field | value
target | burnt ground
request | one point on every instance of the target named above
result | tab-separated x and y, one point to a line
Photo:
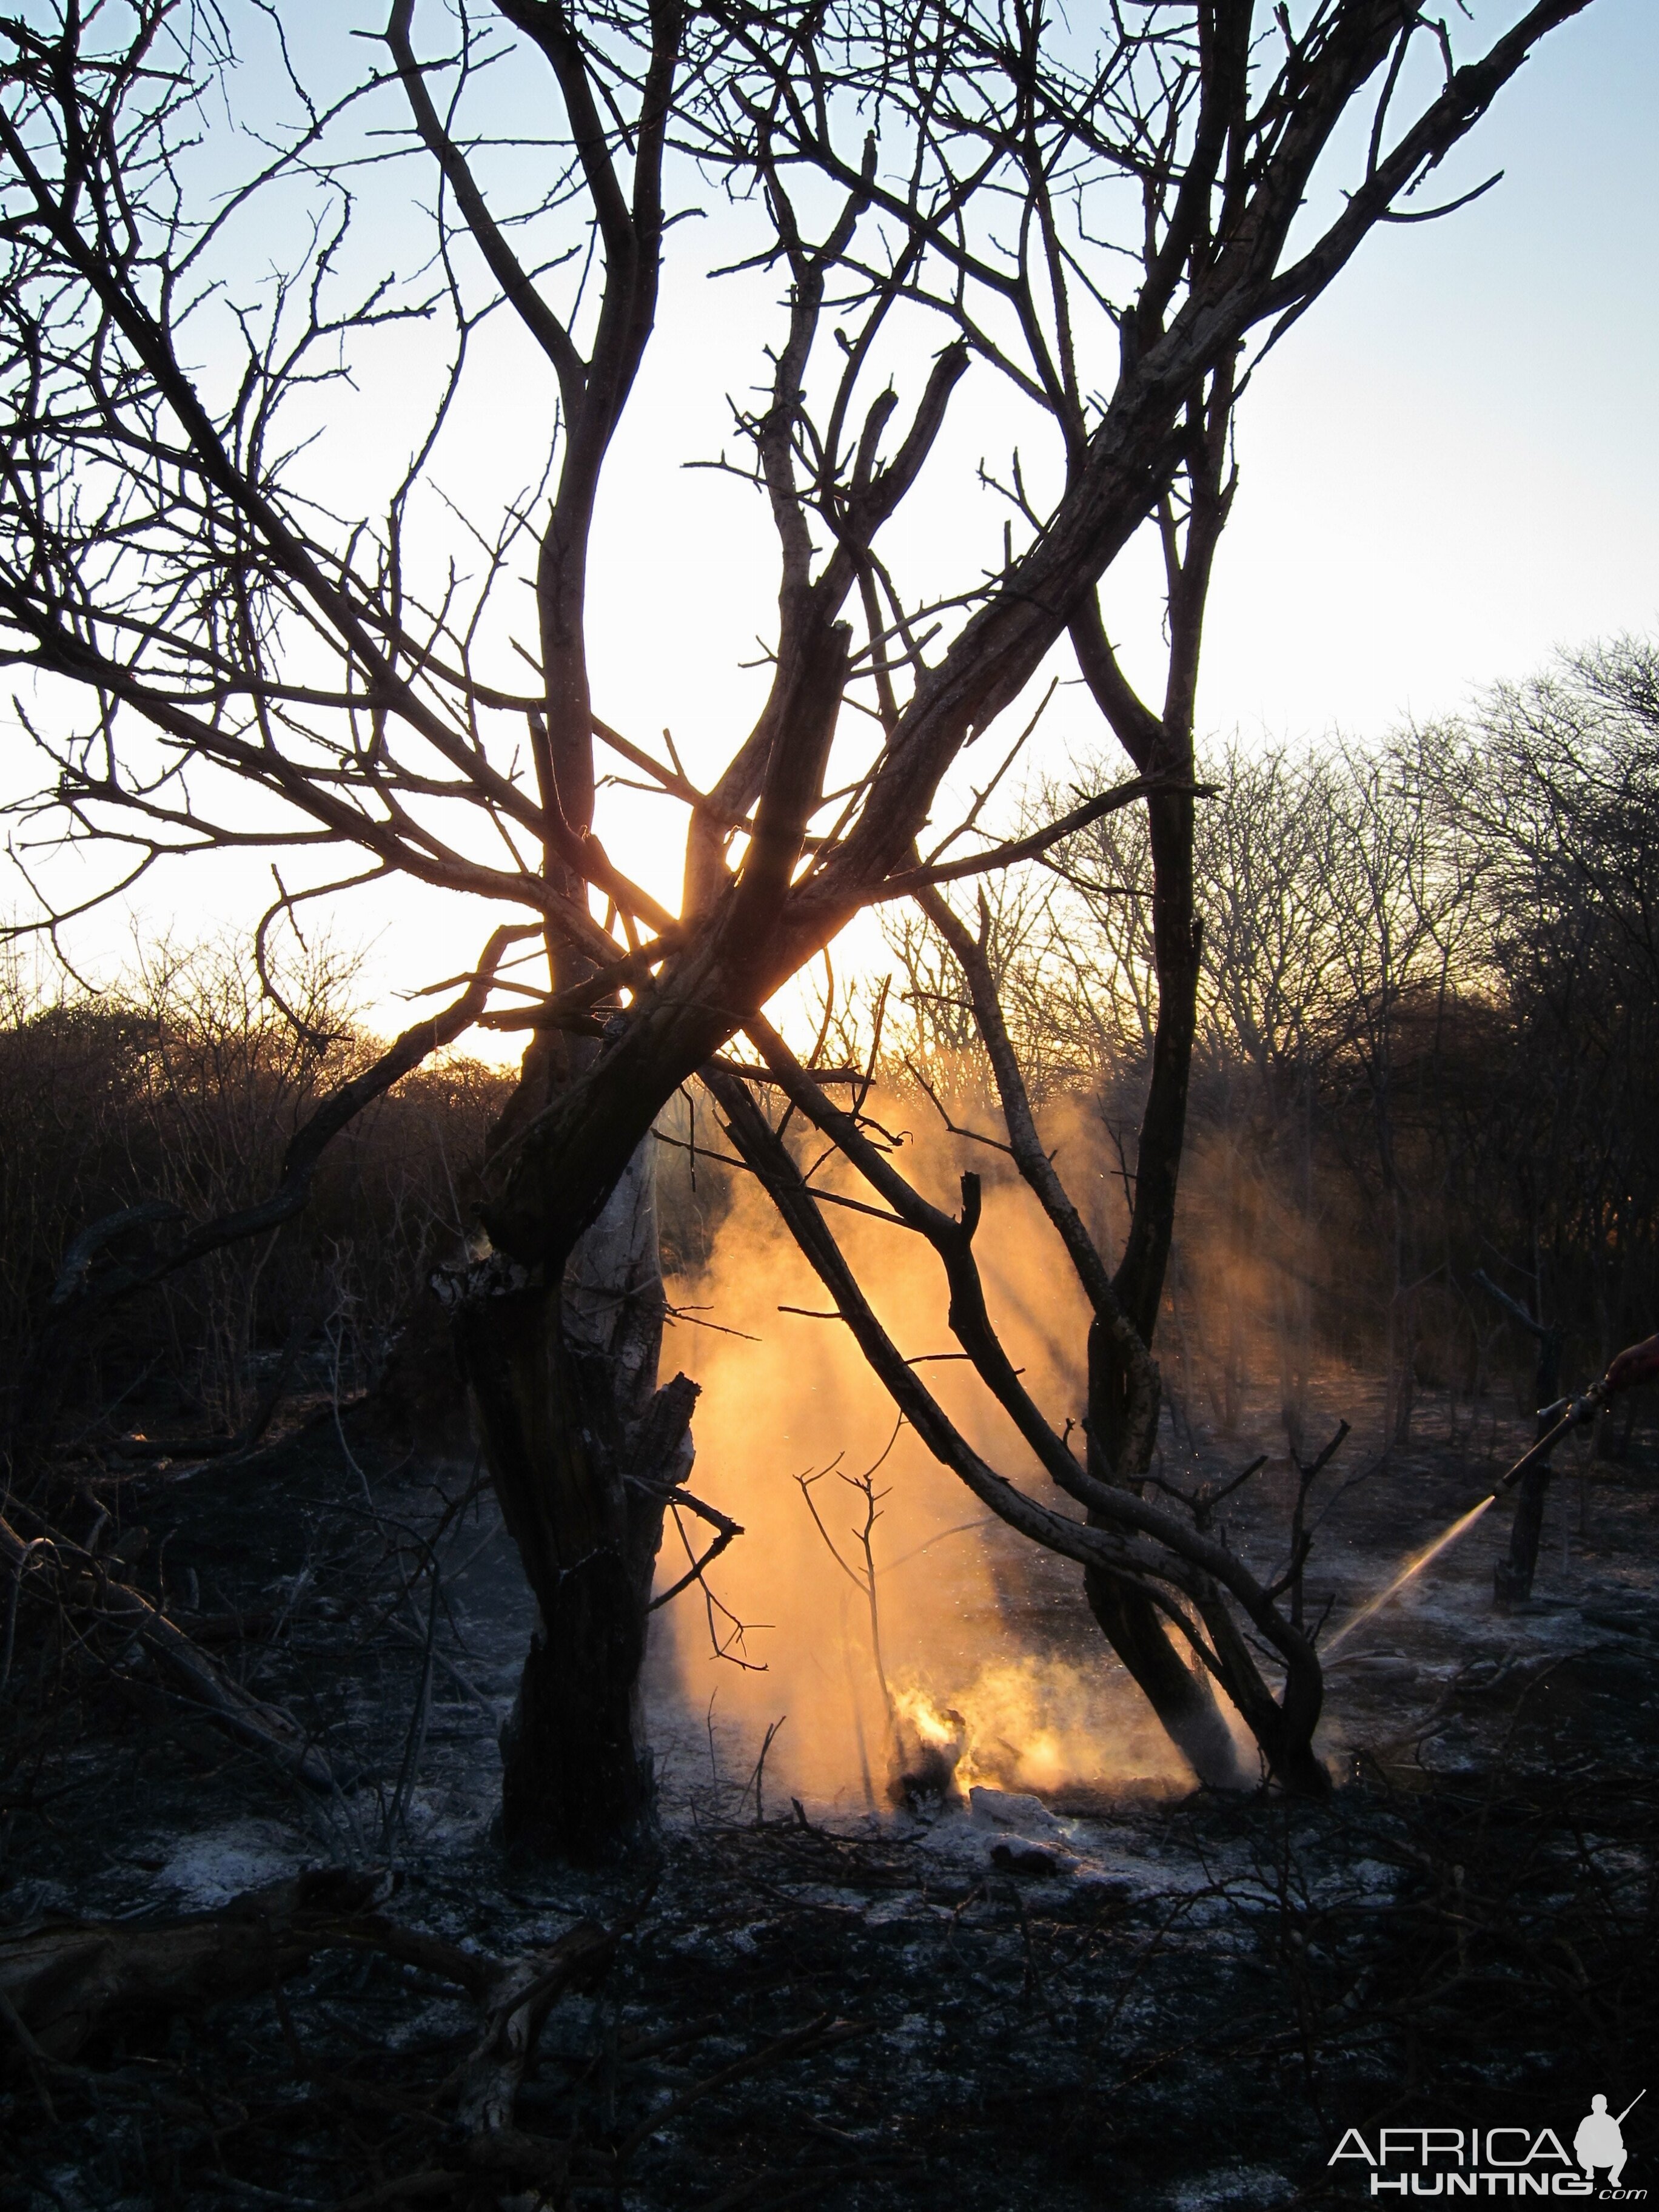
1177	2002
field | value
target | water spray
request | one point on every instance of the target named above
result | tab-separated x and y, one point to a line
1639	1363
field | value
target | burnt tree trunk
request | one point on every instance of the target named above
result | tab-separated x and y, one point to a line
1161	746
559	1327
1132	1624
585	1450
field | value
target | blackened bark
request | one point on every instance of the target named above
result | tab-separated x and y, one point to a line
560	1329
1131	1622
584	1451
1182	1698
575	1783
583	1498
1512	1576
1176	948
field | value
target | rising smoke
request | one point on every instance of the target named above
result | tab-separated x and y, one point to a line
986	1645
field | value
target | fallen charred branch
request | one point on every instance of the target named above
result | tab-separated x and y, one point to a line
63	1985
252	1430
106	1618
66	1983
75	1998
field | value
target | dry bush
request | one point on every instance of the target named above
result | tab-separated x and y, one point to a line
184	1083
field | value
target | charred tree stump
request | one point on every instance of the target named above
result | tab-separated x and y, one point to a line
1512	1575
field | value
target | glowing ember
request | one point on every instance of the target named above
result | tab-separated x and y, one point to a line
934	1724
1025	1724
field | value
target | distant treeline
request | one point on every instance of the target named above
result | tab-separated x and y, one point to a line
184	1084
1428	1037
1428	1040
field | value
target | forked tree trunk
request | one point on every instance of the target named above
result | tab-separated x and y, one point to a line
585	1450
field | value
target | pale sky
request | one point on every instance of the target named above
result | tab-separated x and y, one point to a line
1454	468
1449	468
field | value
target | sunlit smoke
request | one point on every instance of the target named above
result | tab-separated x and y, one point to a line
1412	1568
981	1666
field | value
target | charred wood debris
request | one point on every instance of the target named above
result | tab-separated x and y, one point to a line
381	2010
790	2016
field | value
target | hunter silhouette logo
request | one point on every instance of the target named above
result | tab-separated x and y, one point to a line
1508	2161
1600	2141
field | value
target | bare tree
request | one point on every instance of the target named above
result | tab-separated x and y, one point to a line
1555	781
221	659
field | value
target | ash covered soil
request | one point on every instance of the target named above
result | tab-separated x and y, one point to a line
1131	1999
